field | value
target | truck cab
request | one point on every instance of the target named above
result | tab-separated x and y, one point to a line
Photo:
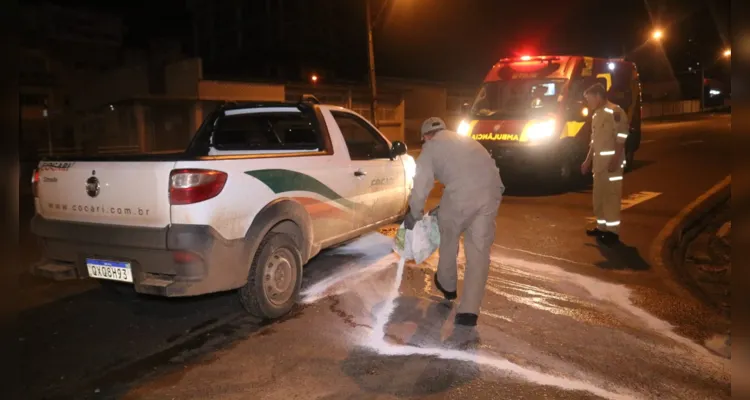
531	116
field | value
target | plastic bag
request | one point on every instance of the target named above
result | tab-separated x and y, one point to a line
419	243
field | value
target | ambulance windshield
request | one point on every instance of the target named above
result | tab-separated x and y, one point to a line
517	98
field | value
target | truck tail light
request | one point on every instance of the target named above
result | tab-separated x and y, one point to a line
189	186
184	257
35	183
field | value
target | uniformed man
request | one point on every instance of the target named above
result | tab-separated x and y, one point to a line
609	130
473	190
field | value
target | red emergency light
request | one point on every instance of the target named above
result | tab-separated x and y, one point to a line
527	58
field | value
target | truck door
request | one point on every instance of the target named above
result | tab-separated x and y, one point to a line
380	180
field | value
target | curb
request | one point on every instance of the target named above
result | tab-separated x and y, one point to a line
671	241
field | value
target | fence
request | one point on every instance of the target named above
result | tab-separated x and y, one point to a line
154	125
162	125
389	112
654	110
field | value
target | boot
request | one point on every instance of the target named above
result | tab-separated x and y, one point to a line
448	295
466	319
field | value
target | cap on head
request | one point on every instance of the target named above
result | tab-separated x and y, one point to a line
431	125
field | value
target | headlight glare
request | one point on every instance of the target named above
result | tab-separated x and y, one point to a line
540	130
463	128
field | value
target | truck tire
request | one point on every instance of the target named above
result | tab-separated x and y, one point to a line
275	278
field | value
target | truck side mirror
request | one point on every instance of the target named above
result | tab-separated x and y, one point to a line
397	149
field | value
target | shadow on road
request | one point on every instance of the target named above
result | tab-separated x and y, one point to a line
65	342
638	164
412	375
534	187
621	257
110	338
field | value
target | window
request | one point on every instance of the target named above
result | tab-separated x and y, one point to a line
363	142
33	99
517	98
265	131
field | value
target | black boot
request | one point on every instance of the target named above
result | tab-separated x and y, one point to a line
466	319
594	232
609	238
448	295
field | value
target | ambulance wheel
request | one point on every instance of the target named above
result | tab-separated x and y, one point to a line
565	174
275	278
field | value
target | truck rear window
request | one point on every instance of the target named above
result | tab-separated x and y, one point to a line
290	130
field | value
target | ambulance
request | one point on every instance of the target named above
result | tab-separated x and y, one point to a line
530	113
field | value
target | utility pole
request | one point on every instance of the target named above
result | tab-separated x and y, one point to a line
373	87
703	88
48	116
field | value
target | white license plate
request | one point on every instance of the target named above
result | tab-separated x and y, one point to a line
112	270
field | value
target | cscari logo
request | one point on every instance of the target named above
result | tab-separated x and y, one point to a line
495	136
382	181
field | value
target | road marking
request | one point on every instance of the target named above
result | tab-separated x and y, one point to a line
648	141
632	200
691	142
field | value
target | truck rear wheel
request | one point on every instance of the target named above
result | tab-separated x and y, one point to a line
275	278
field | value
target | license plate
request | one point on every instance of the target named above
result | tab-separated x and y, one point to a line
112	270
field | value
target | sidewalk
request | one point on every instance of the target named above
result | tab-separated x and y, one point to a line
708	261
707	266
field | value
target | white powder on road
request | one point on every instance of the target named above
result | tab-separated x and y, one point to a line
384	314
376	341
344	281
380	257
619	295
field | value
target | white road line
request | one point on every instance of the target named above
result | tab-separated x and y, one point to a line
691	142
648	141
632	200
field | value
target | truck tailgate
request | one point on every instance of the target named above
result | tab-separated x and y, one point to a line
112	192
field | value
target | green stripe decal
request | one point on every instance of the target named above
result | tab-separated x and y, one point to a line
285	180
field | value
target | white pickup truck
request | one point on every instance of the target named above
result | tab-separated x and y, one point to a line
261	189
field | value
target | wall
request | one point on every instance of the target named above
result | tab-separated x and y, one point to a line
661	91
654	110
422	102
110	87
394	128
182	77
238	91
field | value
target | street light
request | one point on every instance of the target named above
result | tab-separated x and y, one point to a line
314	78
658	34
371	57
727	53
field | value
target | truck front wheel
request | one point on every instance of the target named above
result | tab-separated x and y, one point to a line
275	278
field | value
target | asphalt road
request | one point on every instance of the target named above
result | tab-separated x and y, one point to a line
562	317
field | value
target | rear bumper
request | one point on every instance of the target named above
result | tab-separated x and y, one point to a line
177	260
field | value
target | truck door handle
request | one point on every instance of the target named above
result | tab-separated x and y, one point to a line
359	172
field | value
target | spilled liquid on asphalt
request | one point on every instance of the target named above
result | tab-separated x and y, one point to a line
545	288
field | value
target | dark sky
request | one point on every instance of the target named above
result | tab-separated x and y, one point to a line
460	39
